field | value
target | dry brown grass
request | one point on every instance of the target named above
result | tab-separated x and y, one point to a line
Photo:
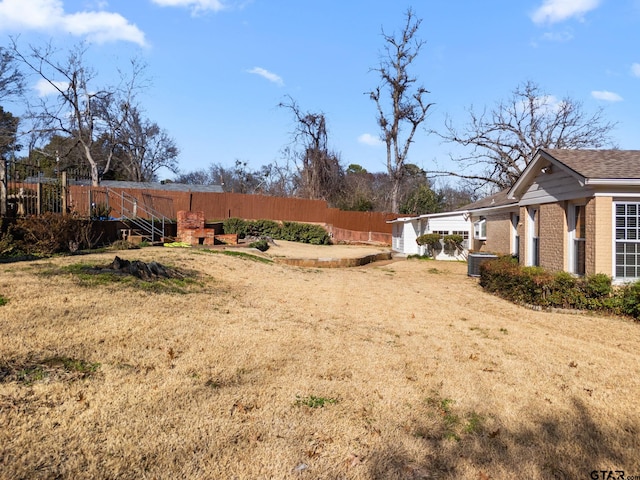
420	373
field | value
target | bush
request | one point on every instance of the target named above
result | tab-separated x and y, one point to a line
629	300
264	228
305	233
235	225
453	244
8	245
100	211
261	245
51	233
432	242
292	231
535	286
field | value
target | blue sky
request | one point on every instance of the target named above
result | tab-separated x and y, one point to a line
219	68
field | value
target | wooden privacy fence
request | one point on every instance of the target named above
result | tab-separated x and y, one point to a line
343	225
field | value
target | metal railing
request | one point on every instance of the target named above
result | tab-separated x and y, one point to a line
142	217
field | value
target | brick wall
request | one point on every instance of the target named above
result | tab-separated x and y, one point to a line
553	236
599	241
498	234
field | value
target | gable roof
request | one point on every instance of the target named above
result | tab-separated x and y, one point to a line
599	164
496	200
589	167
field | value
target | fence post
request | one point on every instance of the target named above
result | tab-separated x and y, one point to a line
3	188
64	192
40	197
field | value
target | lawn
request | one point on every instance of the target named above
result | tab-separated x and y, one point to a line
251	370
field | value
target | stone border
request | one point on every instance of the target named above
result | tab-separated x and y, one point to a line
334	262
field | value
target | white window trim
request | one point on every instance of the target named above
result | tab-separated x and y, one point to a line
624	199
571	226
478	226
530	232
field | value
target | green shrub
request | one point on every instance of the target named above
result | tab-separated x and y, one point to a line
629	300
305	233
235	225
431	241
598	285
261	245
292	231
533	285
264	228
453	243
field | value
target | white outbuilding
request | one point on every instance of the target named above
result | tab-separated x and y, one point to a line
407	229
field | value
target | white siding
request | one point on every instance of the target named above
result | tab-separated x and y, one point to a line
449	223
407	231
554	187
411	232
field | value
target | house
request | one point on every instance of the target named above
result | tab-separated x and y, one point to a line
571	210
407	229
495	219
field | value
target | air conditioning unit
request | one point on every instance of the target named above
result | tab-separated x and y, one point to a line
474	261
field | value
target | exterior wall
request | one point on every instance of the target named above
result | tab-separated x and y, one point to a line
599	241
553	236
558	185
522	233
397	242
411	231
498	234
453	223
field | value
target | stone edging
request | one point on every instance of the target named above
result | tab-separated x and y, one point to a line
334	262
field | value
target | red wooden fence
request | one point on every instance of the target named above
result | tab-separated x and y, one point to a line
344	225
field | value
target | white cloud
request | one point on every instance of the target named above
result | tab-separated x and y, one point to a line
635	69
559	37
606	96
553	11
195	5
272	77
49	16
371	140
45	88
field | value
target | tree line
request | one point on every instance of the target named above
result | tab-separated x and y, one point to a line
103	128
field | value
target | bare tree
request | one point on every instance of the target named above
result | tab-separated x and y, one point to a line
143	147
504	140
407	107
11	78
320	171
77	108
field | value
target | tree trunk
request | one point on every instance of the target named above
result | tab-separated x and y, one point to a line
395	193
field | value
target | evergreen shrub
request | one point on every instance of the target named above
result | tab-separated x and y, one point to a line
503	276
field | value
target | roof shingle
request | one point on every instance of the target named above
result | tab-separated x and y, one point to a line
605	164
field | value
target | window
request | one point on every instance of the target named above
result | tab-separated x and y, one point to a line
533	258
442	233
515	238
579	234
627	240
480	229
465	237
